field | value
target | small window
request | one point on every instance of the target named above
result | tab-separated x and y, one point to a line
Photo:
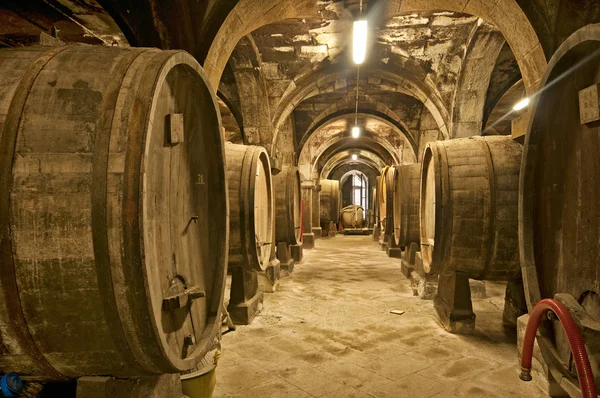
359	189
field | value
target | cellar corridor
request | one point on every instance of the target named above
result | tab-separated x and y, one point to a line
299	198
328	332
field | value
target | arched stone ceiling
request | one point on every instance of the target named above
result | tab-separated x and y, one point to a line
340	126
343	158
330	148
396	109
249	15
378	79
411	75
393	146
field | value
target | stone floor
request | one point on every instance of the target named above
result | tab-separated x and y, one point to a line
328	332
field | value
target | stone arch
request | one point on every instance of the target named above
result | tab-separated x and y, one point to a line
403	80
245	17
483	47
376	110
507	15
365	157
245	63
329	148
318	143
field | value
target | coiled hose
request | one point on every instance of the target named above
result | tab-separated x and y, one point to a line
582	362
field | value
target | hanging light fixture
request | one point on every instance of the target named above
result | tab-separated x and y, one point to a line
359	40
358	54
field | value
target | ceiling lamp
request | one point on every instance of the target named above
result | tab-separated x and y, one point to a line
354	156
355	131
359	39
521	104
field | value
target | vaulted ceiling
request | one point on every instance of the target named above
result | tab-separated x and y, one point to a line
406	89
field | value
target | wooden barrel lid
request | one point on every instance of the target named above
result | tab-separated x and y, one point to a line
263	210
559	201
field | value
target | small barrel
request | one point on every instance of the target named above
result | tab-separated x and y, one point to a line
352	216
251	208
113	212
468	207
406	204
288	213
330	201
386	200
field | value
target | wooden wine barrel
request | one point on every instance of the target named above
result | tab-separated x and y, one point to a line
406	204
251	208
330	201
288	217
381	202
386	204
113	212
376	209
560	186
468	207
352	216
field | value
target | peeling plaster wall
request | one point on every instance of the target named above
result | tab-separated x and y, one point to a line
294	47
434	42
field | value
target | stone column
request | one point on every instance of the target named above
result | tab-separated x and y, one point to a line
316	211
308	238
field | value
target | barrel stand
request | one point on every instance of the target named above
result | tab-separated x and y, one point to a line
376	232
297	252
452	303
384	242
332	231
269	278
393	250
515	304
477	288
163	386
246	298
411	265
285	257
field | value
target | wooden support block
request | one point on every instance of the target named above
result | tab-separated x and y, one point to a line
175	126
163	386
269	278
296	251
452	304
589	104
519	127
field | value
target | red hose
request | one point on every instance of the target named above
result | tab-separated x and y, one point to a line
582	363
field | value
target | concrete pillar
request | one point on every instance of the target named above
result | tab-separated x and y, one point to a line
316	212
308	238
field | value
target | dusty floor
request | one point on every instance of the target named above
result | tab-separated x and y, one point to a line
328	332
